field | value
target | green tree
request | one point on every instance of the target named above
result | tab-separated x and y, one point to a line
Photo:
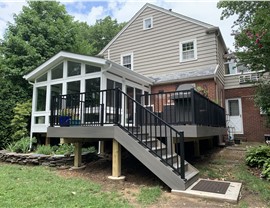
40	31
103	32
10	94
20	121
252	40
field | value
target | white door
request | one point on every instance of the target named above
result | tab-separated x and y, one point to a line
234	115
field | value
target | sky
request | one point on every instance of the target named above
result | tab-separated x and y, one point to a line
123	10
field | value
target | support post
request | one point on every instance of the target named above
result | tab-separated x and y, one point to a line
78	154
116	162
196	148
47	141
101	147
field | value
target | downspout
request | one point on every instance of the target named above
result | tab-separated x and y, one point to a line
31	136
106	69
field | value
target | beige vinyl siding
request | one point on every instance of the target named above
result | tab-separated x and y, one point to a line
156	50
232	81
220	59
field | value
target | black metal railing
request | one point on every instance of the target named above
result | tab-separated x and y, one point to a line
117	108
185	107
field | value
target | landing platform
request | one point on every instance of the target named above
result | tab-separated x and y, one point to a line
216	190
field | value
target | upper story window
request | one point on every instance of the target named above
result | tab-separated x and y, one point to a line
188	50
127	60
232	68
148	23
57	72
74	68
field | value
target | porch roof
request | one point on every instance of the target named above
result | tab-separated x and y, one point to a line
192	75
107	65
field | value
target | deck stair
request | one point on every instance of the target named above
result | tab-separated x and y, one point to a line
153	141
151	152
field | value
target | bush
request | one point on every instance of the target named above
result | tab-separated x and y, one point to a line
65	149
44	149
256	156
266	169
20	146
89	149
259	157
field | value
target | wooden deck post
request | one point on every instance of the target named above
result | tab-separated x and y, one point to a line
78	154
116	162
47	141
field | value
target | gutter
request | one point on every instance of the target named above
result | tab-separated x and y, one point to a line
185	79
31	136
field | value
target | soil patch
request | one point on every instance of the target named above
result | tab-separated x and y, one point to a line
138	176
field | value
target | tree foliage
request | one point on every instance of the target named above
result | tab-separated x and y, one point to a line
252	31
103	32
20	121
252	41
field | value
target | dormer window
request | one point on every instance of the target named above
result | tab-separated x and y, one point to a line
148	23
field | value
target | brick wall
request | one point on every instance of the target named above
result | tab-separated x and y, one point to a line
208	84
253	121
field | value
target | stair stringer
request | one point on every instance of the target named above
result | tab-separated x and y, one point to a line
153	163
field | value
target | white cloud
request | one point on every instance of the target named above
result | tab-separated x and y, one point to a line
7	9
94	14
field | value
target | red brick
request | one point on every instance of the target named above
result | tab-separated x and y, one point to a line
253	122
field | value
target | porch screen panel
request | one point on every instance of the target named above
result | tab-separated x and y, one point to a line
233	108
111	84
41	98
56	90
73	94
92	99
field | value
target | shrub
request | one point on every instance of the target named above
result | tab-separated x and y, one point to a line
65	149
20	146
89	149
259	157
256	156
20	121
266	169
44	149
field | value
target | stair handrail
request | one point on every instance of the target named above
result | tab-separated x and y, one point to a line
179	134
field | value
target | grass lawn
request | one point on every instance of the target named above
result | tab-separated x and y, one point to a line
23	186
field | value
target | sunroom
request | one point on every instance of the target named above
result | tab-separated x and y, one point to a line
78	75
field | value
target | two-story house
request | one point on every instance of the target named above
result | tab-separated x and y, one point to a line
176	50
144	93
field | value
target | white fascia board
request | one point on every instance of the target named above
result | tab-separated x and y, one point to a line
159	9
57	59
121	70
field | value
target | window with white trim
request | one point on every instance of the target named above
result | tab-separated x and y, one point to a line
127	61
188	50
148	23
